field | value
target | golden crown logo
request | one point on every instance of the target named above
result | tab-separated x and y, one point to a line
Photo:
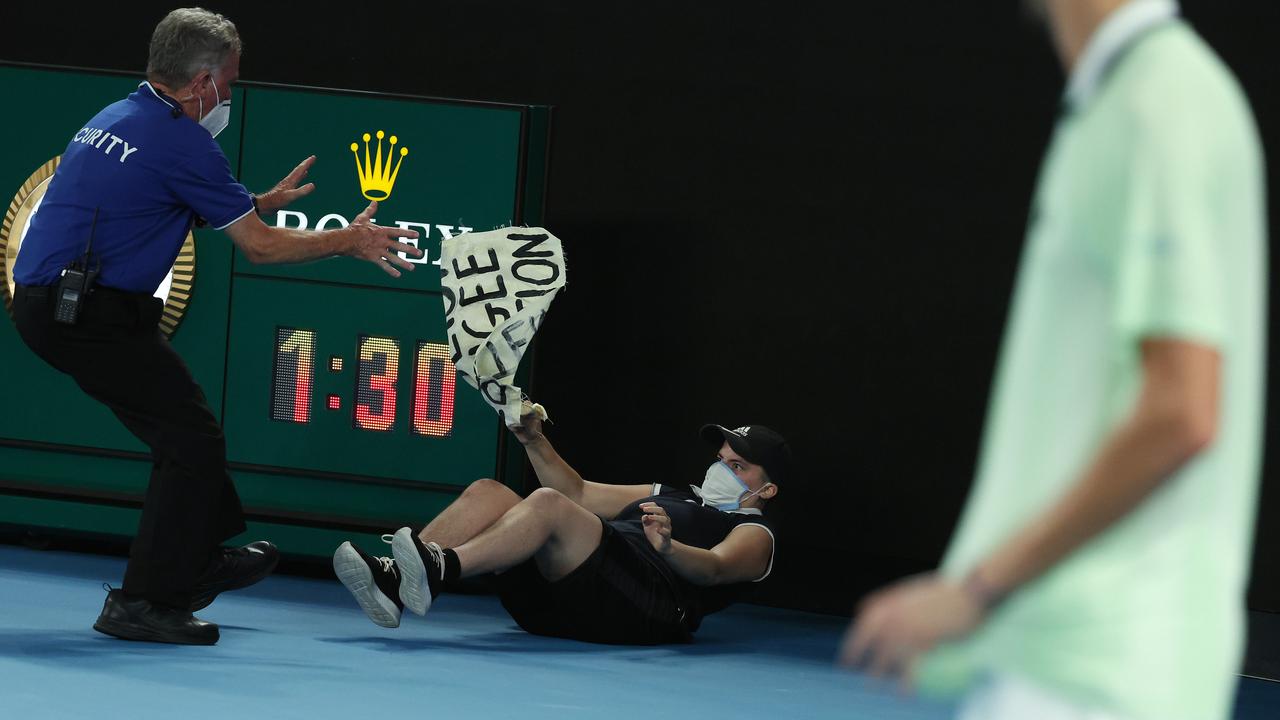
376	180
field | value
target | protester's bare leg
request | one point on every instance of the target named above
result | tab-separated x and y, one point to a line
478	507
557	532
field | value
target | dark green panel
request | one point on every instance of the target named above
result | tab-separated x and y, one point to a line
125	479
68	516
61	469
328	441
348	501
460	171
74	518
307	485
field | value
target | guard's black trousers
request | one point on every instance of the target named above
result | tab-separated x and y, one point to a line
117	354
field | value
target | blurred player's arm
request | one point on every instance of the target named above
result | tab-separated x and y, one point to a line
1174	419
553	472
743	556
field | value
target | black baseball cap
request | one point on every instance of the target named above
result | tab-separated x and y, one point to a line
756	444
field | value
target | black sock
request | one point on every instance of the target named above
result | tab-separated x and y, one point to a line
452	568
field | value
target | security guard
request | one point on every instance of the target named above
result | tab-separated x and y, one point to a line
131	184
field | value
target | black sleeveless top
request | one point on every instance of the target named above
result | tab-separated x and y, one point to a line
696	525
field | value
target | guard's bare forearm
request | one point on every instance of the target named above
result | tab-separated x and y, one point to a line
286	245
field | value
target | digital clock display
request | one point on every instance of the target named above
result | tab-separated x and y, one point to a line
377	370
355	380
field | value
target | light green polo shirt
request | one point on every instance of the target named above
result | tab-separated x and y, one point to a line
1149	222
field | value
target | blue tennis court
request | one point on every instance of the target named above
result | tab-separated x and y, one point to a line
295	647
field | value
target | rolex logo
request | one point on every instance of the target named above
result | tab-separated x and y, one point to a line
377	178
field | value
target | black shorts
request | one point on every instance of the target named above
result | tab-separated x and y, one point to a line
618	595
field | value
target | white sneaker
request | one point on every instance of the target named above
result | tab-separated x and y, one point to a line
421	569
372	581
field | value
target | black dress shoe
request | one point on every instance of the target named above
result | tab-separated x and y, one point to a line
234	569
135	618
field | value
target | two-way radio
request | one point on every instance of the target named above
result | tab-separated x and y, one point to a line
76	282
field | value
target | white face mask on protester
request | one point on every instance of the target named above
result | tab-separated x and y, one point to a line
219	117
723	489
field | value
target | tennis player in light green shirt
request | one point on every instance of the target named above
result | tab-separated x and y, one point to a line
1100	565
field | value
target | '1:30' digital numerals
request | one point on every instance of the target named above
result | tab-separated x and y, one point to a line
377	373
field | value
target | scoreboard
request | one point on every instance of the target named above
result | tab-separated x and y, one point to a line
332	380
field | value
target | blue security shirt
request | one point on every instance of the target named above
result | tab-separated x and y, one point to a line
149	174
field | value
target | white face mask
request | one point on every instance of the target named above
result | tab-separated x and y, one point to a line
219	117
723	489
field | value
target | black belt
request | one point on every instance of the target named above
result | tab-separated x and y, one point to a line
33	291
46	291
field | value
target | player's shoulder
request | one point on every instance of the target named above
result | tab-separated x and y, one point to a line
1175	78
1173	96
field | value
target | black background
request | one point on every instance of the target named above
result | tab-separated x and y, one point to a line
801	215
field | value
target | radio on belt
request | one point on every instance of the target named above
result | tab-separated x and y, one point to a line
76	282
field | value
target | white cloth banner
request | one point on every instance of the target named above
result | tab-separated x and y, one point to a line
497	287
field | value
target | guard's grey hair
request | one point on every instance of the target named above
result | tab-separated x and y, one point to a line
187	41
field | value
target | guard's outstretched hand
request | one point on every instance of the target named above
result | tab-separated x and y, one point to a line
379	245
287	190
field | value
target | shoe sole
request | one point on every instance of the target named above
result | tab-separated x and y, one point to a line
414	592
202	601
126	632
358	579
